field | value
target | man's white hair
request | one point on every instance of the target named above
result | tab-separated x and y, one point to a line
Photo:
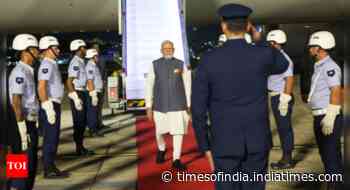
167	42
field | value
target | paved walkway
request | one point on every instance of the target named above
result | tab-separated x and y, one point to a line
115	165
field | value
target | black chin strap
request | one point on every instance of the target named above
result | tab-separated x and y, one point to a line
53	51
34	58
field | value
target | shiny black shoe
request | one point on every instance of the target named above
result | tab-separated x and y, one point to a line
281	165
84	152
54	173
99	133
96	133
178	165
160	157
103	127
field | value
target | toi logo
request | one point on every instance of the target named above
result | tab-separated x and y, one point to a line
16	166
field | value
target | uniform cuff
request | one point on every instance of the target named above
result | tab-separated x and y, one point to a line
204	148
333	109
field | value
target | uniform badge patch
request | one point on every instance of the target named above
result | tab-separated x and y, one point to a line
19	80
331	73
45	70
76	68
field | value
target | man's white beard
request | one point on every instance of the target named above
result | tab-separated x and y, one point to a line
168	56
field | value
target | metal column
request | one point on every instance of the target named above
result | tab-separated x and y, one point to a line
3	108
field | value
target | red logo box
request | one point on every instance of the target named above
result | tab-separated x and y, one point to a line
16	166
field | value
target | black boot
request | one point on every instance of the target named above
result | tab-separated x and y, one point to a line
82	151
100	127
285	163
178	165
52	172
95	133
160	157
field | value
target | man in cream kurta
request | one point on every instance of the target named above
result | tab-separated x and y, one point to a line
168	88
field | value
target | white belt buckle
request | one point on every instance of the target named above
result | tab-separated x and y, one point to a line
80	88
32	117
319	112
273	93
56	100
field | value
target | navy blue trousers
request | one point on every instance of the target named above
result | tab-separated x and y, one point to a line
92	114
248	164
32	153
329	146
284	125
51	135
79	118
100	108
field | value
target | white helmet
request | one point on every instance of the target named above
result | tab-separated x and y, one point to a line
222	38
248	38
24	41
90	53
76	44
48	41
278	36
324	39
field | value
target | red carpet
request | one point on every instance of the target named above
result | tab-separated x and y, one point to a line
150	173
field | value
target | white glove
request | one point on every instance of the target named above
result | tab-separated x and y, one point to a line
94	98
22	128
328	121
50	112
284	103
77	101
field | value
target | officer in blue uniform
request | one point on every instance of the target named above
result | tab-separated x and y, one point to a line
103	71
25	104
94	86
50	88
231	85
325	101
280	90
78	95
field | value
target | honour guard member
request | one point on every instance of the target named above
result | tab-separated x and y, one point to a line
231	85
280	90
50	89
325	101
94	86
78	94
101	95
25	104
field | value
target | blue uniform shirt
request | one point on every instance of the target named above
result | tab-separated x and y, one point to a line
21	82
327	74
77	70
277	83
94	74
50	72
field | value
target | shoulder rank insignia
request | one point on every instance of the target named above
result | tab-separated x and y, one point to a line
331	73
19	80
